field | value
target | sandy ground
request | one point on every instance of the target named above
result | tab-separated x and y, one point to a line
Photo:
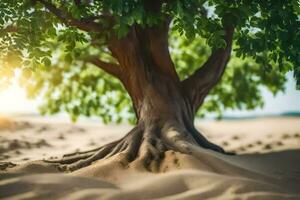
267	165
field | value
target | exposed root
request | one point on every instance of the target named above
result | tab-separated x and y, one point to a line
208	145
82	152
103	152
74	161
150	156
144	146
203	142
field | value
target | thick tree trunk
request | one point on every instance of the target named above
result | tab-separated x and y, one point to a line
163	104
165	122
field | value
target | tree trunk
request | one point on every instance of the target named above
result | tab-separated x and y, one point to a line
164	109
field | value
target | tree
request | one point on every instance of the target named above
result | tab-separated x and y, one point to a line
157	51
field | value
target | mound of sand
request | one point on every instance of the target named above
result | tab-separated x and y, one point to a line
5	123
265	176
274	174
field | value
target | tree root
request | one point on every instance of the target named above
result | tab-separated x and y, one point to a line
144	146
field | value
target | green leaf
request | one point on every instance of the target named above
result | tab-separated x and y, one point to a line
69	58
46	61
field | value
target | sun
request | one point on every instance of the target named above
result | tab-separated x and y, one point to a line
13	100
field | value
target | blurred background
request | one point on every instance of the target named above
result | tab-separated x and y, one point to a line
14	102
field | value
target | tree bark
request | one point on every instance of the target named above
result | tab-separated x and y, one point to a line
164	106
206	77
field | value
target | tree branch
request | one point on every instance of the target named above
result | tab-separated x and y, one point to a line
156	41
110	68
86	25
205	78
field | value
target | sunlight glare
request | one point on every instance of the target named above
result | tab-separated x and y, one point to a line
13	100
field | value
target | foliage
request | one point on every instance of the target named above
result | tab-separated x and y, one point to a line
50	52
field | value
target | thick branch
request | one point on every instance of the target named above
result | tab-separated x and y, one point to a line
110	68
205	78
86	25
159	47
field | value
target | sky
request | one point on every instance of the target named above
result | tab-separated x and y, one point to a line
14	101
282	102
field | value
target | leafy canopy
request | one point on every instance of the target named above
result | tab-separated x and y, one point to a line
42	44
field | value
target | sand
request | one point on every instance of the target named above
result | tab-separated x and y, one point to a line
267	167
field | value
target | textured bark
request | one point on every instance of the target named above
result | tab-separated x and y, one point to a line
165	107
206	77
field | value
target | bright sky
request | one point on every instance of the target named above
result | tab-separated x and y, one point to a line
282	102
14	101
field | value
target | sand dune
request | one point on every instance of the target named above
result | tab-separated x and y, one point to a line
270	173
